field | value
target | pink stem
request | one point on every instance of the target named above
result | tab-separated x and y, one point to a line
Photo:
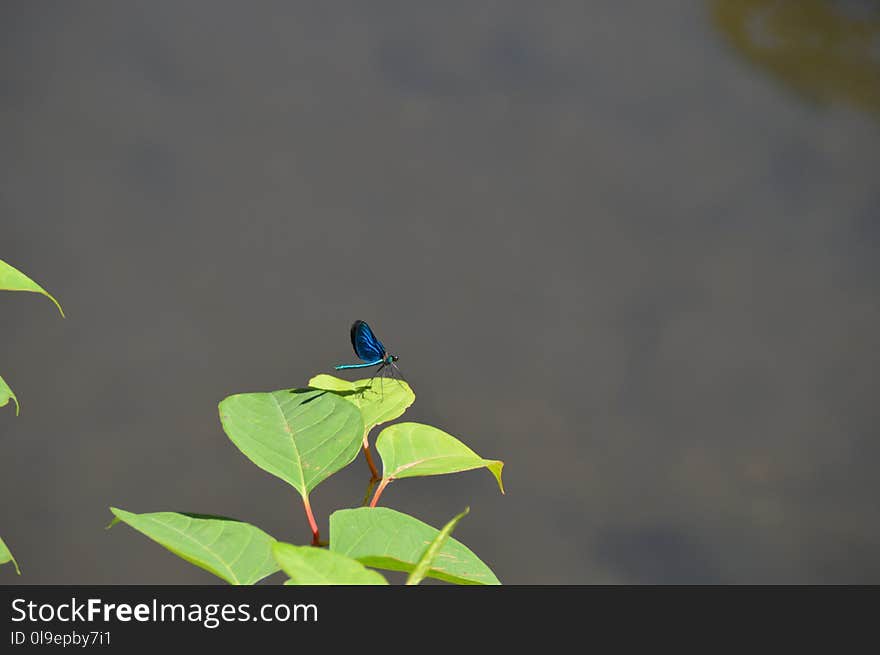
316	537
379	491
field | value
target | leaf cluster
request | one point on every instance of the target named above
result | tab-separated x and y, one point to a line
11	279
303	436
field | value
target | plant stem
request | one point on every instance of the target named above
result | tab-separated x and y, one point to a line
379	491
370	486
316	537
374	473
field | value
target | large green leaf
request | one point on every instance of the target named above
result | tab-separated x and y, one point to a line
307	565
6	395
238	552
433	550
413	449
387	539
302	436
6	556
11	279
381	401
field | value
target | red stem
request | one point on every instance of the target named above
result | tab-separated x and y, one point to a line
369	493
316	538
373	471
379	491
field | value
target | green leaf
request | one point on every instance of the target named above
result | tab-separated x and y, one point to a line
382	401
330	383
302	436
307	565
6	556
6	395
11	279
413	449
433	550
238	552
391	540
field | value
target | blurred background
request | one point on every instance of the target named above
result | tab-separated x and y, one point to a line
630	248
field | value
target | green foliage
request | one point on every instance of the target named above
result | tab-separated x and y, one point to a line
411	450
6	395
238	552
432	552
391	540
307	565
379	402
11	279
6	556
304	436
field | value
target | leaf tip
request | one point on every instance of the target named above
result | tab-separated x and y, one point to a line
9	395
9	557
495	467
116	518
57	304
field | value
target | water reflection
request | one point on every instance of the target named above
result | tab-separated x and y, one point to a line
827	50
